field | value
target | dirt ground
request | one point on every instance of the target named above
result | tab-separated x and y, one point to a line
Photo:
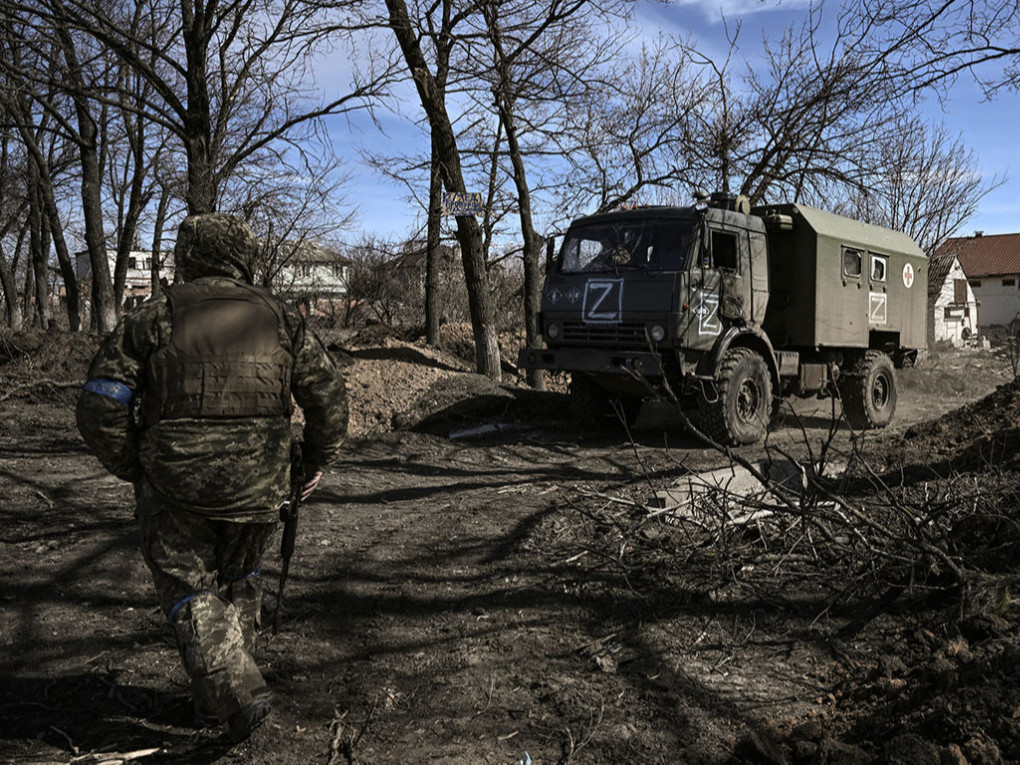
480	581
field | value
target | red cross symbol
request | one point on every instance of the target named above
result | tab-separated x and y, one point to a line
908	276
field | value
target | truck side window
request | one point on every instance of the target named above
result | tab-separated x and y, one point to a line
852	261
878	268
724	250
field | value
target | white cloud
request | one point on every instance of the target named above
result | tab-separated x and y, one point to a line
715	11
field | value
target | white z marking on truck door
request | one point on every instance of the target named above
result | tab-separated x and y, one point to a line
708	314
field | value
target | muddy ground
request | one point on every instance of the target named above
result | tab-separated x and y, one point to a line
479	581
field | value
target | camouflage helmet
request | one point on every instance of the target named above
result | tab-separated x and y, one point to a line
215	244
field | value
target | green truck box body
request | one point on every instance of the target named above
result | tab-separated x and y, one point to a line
818	299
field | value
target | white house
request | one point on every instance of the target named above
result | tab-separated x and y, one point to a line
313	275
953	308
137	278
992	266
310	274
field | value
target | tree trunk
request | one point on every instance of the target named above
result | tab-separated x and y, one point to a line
71	293
38	265
532	273
105	304
432	253
30	313
469	234
12	308
157	239
202	188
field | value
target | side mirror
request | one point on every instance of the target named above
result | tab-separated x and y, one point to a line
550	253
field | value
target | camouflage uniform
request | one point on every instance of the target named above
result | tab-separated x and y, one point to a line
208	487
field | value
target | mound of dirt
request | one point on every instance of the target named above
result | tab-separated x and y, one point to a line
980	434
55	355
404	384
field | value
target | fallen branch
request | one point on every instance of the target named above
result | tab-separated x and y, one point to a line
29	388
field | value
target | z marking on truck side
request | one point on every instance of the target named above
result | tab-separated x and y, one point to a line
877	313
603	301
708	314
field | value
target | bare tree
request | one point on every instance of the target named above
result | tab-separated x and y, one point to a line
228	79
14	184
438	26
927	44
816	110
37	112
539	55
631	137
925	183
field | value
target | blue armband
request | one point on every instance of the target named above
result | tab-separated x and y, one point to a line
115	390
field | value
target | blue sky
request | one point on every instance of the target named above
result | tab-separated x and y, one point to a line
987	127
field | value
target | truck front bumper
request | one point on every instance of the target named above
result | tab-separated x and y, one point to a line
621	362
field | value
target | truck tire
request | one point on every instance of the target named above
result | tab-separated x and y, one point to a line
592	407
742	410
869	392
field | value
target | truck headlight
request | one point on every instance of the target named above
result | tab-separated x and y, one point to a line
657	333
552	330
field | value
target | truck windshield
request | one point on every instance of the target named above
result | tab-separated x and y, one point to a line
648	245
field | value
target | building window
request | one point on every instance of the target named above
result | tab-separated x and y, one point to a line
132	263
338	270
959	290
1009	282
976	283
878	268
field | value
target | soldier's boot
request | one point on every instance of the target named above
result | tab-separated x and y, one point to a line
248	718
224	676
205	716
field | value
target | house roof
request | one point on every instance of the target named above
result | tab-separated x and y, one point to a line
982	255
938	269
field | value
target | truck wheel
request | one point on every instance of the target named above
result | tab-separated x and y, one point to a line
869	392
742	410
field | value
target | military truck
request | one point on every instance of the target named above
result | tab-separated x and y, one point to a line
733	308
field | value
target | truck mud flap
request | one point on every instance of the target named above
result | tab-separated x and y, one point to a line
706	387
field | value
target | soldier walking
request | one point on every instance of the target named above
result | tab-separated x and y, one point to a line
190	399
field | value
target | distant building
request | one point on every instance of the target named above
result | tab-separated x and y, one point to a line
314	276
137	279
952	306
992	266
309	274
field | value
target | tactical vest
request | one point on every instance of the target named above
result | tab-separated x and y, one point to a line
224	358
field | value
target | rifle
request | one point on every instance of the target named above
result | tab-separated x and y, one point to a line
289	518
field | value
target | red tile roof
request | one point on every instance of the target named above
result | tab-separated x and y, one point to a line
985	255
